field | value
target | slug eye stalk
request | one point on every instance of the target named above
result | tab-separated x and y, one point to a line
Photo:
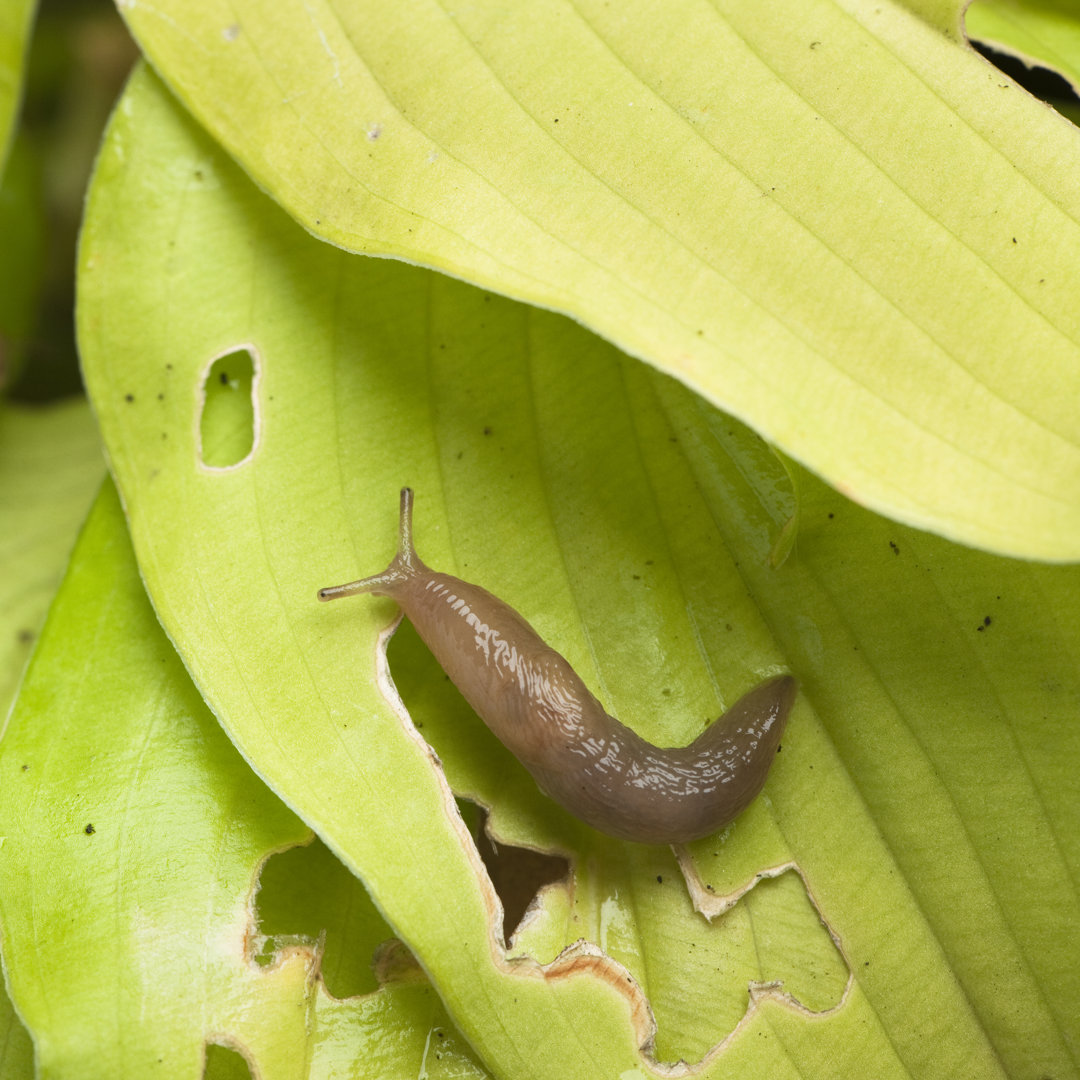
406	561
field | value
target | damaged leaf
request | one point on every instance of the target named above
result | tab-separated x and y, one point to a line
636	527
135	833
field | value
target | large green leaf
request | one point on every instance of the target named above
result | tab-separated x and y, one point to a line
49	467
131	842
1045	32
834	220
921	806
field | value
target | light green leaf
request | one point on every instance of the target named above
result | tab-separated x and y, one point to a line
16	17
1045	32
634	525
50	465
132	838
834	220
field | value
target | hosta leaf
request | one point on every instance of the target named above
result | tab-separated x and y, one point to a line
132	834
920	807
49	468
834	220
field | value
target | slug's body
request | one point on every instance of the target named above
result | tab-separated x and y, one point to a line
538	707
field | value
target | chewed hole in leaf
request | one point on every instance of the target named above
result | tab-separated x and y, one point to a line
701	979
306	896
629	900
1045	84
228	422
225	1063
771	944
518	874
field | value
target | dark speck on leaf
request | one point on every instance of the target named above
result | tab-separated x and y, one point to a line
831	516
25	768
487	431
224	376
895	549
659	879
129	398
89	830
25	636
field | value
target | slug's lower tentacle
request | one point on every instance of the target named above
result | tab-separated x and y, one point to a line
536	704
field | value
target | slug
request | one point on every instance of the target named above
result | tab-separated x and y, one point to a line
537	706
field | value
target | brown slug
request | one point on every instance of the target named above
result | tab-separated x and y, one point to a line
538	707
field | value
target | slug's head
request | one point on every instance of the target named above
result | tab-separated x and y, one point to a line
405	566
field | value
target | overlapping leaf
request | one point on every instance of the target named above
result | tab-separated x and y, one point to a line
133	833
633	524
834	220
49	466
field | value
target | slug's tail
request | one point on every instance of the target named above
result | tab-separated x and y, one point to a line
753	725
405	565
